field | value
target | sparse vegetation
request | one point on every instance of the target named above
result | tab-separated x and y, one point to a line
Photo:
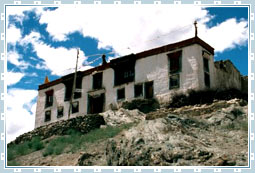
241	125
16	150
76	140
13	163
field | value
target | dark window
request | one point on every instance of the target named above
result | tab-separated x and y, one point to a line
69	86
96	103
47	116
207	79
206	65
148	90
121	94
124	74
175	62
75	107
49	98
97	80
206	72
60	111
138	90
174	81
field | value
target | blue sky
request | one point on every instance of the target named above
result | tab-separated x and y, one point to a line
43	41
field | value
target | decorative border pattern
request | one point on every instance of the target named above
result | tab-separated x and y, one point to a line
3	89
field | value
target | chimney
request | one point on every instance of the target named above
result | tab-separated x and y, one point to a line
103	59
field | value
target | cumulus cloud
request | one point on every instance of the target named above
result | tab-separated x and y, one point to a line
127	29
59	60
226	35
19	119
130	28
17	60
13	78
18	12
13	35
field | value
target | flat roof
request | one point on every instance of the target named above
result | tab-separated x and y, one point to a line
144	54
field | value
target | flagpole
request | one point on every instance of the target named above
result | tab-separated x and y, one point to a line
74	85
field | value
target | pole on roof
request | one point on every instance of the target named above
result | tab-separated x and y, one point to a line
195	24
74	85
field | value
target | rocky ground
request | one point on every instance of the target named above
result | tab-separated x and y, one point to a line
210	134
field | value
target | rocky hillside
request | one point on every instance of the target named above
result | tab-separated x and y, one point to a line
206	134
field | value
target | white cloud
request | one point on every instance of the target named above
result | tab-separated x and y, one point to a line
13	34
137	26
59	60
19	119
17	59
41	66
18	12
13	78
32	74
226	35
125	26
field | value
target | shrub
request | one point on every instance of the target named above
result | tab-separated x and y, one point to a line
143	105
75	140
193	97
16	150
22	149
48	151
36	144
10	155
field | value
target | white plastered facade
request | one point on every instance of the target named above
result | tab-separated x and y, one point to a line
151	68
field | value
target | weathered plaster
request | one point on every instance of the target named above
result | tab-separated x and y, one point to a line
152	68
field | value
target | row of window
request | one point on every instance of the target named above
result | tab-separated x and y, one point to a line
140	90
126	74
175	62
60	111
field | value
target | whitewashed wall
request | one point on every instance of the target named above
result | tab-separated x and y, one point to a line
153	68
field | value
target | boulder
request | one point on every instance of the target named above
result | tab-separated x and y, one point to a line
122	116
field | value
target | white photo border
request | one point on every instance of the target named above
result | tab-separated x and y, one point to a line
3	88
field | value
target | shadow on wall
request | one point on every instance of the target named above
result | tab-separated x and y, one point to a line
193	97
143	105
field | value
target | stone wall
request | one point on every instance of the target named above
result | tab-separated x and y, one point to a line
83	124
227	76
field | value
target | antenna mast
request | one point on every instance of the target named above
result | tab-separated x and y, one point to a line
195	24
74	85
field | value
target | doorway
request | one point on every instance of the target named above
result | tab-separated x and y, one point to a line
96	103
148	90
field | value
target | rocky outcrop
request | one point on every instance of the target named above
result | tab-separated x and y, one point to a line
122	116
213	134
182	140
83	124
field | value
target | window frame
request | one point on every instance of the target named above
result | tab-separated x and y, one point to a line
58	115
94	82
178	81
73	107
175	74
45	116
145	89
206	68
68	88
142	90
49	98
171	56
118	94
